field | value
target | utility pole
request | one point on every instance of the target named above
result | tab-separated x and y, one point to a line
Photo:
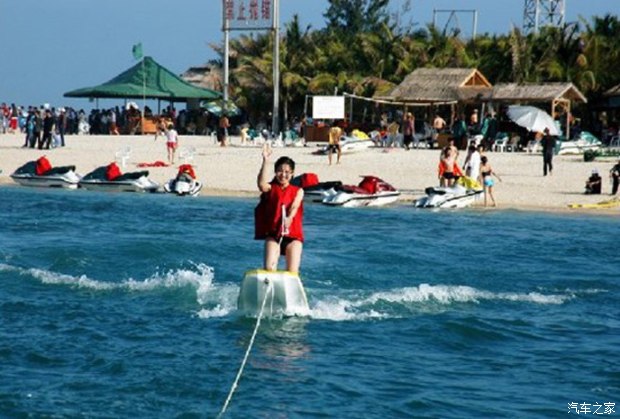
275	123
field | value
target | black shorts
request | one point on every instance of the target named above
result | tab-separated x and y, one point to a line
283	244
333	147
449	175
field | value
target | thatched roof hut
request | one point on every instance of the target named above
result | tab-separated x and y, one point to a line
205	76
440	86
544	92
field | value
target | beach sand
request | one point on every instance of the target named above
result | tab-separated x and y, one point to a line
232	170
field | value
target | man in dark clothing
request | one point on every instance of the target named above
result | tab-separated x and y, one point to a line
61	125
548	145
615	177
48	125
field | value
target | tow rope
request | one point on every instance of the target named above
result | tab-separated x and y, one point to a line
247	352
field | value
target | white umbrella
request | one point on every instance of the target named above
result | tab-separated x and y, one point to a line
533	119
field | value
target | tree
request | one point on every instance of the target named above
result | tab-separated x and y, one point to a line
356	16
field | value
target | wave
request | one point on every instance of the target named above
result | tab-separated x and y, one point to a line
402	302
220	299
201	278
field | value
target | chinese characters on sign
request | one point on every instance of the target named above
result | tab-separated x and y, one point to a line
244	14
591	408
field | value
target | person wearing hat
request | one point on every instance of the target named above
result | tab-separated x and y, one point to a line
614	174
594	183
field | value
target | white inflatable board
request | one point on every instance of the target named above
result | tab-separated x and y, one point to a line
283	290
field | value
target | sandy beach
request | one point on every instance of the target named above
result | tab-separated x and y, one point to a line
232	170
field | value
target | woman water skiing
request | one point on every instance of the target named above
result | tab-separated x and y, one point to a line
279	214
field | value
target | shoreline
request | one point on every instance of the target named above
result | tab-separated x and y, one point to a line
231	171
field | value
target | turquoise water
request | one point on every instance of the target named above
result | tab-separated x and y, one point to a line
123	305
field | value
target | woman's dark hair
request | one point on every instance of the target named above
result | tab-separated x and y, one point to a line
284	160
483	159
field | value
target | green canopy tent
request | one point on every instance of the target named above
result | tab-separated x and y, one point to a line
149	80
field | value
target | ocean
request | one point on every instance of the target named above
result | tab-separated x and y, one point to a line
124	305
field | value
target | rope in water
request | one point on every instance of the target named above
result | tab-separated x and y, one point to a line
247	352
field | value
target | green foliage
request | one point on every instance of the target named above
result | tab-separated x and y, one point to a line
363	50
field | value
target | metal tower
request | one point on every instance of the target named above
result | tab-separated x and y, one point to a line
539	13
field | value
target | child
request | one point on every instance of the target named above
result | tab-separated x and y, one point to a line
172	142
279	215
486	173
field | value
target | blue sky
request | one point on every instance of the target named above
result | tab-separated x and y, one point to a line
50	47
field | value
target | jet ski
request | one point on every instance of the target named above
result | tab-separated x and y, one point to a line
314	191
110	178
371	192
41	173
349	145
461	195
184	183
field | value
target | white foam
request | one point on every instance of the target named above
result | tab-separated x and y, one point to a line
201	278
448	294
364	308
220	300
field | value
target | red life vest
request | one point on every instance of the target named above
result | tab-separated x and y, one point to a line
309	179
456	170
112	171
43	166
268	214
186	168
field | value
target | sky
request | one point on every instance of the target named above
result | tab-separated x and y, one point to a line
51	47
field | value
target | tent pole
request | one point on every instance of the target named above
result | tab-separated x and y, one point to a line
143	98
226	30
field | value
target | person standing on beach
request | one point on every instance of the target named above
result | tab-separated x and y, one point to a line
61	125
472	162
439	124
449	171
459	131
486	173
614	174
408	130
335	132
278	218
548	146
48	126
172	142
38	127
222	130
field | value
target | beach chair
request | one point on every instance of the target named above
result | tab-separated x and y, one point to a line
513	144
123	155
614	143
500	143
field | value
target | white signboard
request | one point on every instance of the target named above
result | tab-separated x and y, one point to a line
328	107
248	14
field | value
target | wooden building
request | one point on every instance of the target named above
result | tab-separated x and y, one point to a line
462	88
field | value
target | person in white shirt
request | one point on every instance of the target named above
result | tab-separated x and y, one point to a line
472	162
172	142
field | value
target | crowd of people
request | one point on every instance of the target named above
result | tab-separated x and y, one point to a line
118	120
